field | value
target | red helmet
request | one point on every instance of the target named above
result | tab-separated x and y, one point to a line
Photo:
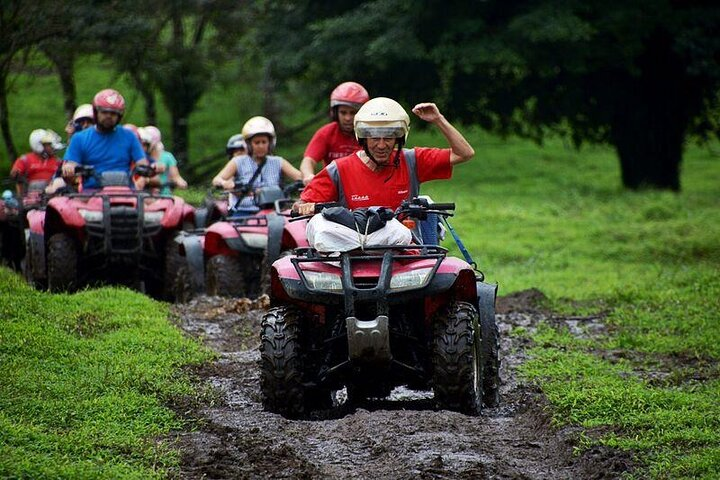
349	93
109	100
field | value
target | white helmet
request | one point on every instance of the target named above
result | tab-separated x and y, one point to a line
40	136
381	117
256	126
56	140
235	142
84	111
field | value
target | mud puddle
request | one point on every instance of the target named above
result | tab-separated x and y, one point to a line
401	437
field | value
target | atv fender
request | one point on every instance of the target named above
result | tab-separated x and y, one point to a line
486	293
36	243
201	217
192	245
276	225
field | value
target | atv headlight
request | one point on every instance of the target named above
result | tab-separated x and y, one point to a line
94	216
153	218
323	281
411	279
254	240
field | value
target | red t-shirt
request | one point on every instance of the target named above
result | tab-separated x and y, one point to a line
364	188
33	167
330	143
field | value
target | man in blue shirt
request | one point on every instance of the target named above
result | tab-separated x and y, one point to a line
108	147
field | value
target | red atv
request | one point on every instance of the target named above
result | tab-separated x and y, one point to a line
227	258
111	235
376	318
13	221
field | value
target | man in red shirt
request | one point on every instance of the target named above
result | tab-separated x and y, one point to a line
336	139
40	164
383	173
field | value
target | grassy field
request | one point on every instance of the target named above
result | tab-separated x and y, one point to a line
85	384
556	219
551	218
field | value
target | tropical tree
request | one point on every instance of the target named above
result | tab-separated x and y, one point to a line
642	76
22	29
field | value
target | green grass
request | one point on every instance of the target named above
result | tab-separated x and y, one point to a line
556	219
85	384
552	218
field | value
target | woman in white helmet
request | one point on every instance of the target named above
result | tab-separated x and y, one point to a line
256	169
83	118
383	173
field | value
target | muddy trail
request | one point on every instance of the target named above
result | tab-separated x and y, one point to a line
402	437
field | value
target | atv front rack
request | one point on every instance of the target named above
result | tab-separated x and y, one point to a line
378	289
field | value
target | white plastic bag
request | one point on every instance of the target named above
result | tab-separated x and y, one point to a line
326	236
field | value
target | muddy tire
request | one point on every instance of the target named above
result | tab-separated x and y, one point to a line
173	261
489	348
182	286
457	367
62	263
224	277
281	365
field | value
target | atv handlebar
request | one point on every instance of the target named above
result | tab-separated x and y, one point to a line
144	170
296	186
84	170
441	206
319	207
423	202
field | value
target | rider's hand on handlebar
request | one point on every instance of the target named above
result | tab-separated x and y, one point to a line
228	184
68	168
304	208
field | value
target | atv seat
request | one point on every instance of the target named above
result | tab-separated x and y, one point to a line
265	197
114	179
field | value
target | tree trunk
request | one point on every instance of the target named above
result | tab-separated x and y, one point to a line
652	117
180	138
143	86
5	118
64	61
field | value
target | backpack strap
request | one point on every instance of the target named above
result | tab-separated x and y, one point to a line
410	161
335	177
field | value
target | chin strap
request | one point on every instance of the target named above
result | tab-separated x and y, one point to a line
396	160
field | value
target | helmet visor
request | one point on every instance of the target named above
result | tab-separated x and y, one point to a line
110	109
367	130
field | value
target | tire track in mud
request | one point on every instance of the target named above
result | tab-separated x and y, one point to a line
399	438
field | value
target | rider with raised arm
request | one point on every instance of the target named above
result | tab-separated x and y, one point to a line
107	147
256	169
335	139
383	173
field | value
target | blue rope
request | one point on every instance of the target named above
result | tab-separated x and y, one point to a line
460	245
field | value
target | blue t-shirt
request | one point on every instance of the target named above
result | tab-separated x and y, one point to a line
108	152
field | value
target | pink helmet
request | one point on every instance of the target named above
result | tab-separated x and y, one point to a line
351	94
109	100
153	134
